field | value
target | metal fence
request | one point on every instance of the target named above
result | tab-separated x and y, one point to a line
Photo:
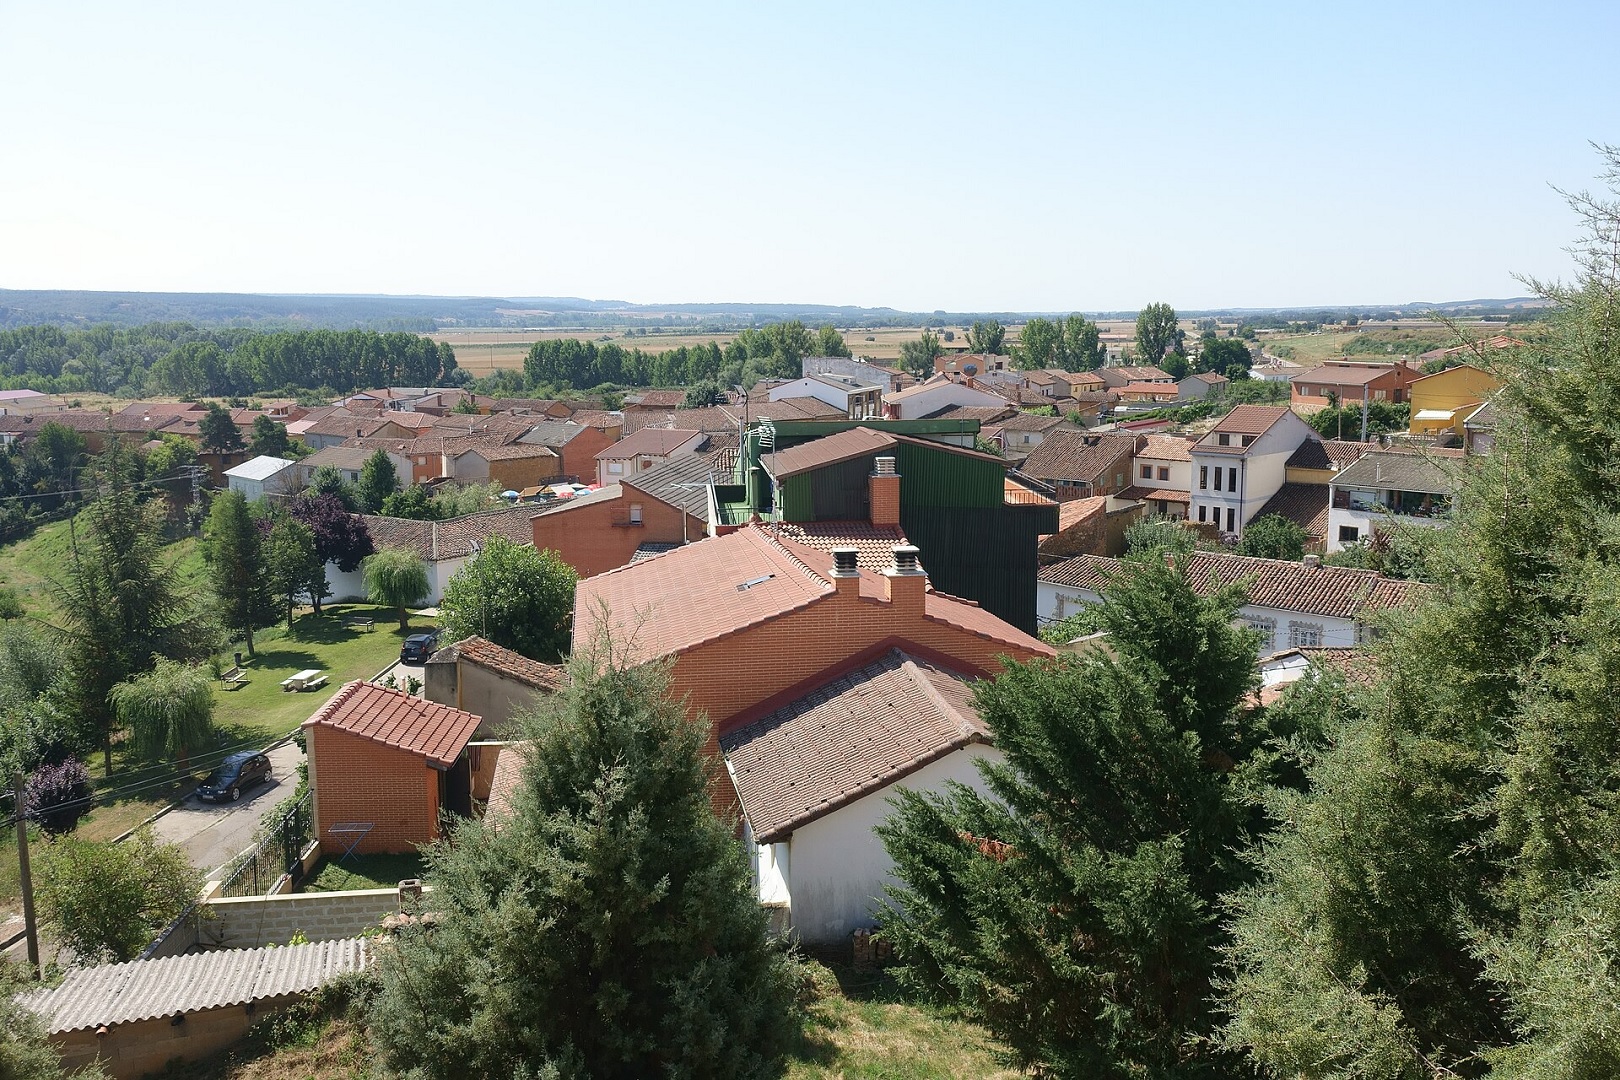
281	843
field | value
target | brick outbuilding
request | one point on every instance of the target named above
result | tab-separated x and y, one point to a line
386	763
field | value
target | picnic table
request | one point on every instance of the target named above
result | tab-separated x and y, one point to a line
308	679
360	622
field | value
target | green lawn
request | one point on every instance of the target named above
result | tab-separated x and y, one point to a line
30	565
364	872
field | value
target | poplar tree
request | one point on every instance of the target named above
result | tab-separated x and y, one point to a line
609	927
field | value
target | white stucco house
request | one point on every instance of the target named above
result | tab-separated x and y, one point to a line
1391	488
858	400
814	778
645	449
1241	463
1294	604
264	475
939	392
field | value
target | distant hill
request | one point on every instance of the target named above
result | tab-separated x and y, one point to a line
68	307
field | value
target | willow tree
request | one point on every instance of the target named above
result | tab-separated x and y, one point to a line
396	579
169	710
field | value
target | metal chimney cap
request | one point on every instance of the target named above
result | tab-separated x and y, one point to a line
846	562
884	466
905	559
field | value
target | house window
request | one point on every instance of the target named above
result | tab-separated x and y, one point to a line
1349	534
1217	478
615	468
1231	520
1164	472
1201	510
1304	391
1231	478
1265	625
1304	634
1224	439
646	463
1203	477
1147	472
1119	479
1247	439
635	513
1379	395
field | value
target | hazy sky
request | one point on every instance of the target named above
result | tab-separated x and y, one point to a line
960	156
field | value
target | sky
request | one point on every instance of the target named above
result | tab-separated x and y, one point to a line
956	156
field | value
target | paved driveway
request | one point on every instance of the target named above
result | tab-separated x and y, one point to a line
215	833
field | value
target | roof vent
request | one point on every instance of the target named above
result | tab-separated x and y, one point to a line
885	466
905	559
751	582
1313	561
846	562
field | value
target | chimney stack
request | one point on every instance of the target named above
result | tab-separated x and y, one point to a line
846	573
884	492
905	582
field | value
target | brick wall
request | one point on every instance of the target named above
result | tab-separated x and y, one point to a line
250	922
596	537
360	780
519	473
885	499
579	454
132	1050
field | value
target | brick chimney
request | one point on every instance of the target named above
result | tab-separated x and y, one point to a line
885	493
904	581
846	573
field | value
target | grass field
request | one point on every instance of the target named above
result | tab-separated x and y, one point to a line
860	1029
30	566
364	872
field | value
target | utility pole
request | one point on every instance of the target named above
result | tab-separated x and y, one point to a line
30	928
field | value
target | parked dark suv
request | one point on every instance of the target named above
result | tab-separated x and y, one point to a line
235	773
418	647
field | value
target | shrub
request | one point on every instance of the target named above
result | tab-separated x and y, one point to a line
57	796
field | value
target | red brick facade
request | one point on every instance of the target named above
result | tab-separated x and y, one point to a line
358	779
885	499
579	453
599	535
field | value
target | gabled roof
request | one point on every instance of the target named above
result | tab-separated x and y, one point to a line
1165	448
434	732
1326	453
984	414
657	442
657	399
339	457
1386	470
111	994
554	432
435	541
1346	374
682	482
503	661
1158	389
1140	373
259	468
1023	421
1245	420
1332	591
347	425
1077	455
1306	505
507	452
828	450
847	738
875	543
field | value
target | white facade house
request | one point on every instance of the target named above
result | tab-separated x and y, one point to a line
263	475
1293	604
857	400
1161	474
1241	464
1387	489
814	778
939	392
885	379
646	449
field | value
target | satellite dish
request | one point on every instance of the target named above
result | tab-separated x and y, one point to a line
971	369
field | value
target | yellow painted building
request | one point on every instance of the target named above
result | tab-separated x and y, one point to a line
1440	402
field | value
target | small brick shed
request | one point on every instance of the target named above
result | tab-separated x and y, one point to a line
388	760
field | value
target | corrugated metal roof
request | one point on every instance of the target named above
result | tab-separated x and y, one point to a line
145	989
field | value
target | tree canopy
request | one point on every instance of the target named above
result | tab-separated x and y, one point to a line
515	596
378	480
1157	333
1272	536
108	901
169	710
235	551
608	927
219	432
917	357
396	579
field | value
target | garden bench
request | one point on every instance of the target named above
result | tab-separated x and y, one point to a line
233	678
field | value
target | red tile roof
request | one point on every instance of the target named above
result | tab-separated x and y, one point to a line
828	450
1078	455
1333	591
1306	505
503	661
876	543
394	718
1166	448
1250	419
509	764
1327	453
657	442
1139	493
847	738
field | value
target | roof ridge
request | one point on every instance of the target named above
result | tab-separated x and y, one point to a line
918	669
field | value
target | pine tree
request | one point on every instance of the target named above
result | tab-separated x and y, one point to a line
608	928
378	480
1075	913
235	551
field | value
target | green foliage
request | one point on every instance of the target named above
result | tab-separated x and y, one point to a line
121	599
270	438
108	901
986	336
1402	551
219	432
1344	421
704	393
1083	623
25	1052
36	725
169	710
515	596
292	563
1273	536
378	480
1175	365
327	480
413	502
1226	356
1074	912
1039	344
829	342
608	928
1159	534
917	357
237	567
1157	333
11	606
396	579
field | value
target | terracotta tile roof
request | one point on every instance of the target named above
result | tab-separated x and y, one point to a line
394	718
1333	591
1139	493
847	738
147	410
984	414
1327	453
1386	470
495	423
513	665
725	584
435	541
1074	511
76	419
1158	390
111	994
1306	505
508	452
1078	455
657	399
339	457
598	418
427	445
875	543
1250	420
527	405
509	765
1023	421
658	442
1132	373
1166	448
1345	374
828	450
348	425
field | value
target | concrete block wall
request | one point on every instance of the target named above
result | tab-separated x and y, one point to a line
248	922
132	1050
